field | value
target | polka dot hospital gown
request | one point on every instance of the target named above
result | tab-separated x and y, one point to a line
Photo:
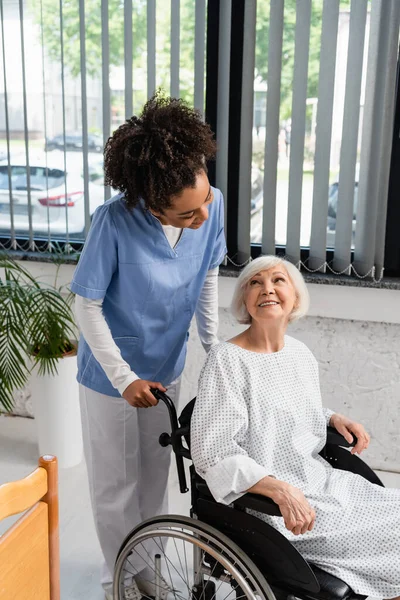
261	414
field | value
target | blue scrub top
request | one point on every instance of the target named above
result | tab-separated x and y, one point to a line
149	290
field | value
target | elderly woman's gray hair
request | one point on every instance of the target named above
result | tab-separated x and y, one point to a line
263	263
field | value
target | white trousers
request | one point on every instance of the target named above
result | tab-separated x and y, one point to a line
127	468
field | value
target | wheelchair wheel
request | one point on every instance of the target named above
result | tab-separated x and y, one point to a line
191	559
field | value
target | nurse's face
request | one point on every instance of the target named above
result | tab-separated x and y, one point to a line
190	208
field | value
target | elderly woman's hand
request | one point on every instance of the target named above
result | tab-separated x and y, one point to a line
297	513
346	427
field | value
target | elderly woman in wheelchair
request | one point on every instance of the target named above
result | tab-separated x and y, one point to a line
279	508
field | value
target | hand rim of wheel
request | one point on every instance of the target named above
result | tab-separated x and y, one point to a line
151	527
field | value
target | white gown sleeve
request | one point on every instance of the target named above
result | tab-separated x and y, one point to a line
327	414
218	428
207	311
91	322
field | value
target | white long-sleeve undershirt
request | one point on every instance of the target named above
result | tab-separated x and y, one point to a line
95	330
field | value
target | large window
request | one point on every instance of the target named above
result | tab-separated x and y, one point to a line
311	103
301	95
73	71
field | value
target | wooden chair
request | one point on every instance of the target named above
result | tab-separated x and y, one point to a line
29	550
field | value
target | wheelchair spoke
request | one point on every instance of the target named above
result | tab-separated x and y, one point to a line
178	554
220	584
233	590
184	551
152	562
129	572
169	572
133	567
196	564
175	569
147	564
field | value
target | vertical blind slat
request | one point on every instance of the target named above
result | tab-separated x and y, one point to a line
26	135
199	54
348	150
63	101
272	124
105	58
3	48
246	130
128	58
175	47
82	40
45	123
330	21
224	55
387	133
151	47
377	127
300	72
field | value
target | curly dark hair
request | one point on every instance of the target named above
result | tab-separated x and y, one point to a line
159	154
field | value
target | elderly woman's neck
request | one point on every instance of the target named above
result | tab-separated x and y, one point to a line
260	338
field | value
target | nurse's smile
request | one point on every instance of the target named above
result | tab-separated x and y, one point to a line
190	208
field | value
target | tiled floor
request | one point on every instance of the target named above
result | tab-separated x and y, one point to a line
80	552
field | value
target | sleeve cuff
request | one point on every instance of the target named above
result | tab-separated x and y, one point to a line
328	414
208	345
127	381
232	477
90	293
216	263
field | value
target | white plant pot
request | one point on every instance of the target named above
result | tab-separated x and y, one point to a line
55	401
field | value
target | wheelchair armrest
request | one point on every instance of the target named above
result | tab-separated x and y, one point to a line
256	502
261	504
336	439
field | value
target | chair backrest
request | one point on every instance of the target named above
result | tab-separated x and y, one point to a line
29	549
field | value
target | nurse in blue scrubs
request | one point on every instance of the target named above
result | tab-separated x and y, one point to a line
150	263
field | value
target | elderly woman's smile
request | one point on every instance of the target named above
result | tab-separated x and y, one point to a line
269	303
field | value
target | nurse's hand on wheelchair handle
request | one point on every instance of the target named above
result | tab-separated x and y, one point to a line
138	393
346	427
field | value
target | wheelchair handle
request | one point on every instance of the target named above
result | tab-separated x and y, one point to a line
174	439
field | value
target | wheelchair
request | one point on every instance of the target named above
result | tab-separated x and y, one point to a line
223	552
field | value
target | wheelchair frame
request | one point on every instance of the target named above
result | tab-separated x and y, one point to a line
287	573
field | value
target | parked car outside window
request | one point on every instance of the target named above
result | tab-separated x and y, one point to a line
57	196
74	141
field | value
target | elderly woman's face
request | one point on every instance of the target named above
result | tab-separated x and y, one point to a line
270	295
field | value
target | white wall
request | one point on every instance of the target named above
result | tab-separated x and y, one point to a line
355	334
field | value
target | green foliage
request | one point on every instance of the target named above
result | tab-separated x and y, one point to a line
288	48
46	14
36	325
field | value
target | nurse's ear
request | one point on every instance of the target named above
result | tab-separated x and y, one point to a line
160	216
156	213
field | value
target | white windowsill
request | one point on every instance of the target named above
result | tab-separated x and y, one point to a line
332	301
338	301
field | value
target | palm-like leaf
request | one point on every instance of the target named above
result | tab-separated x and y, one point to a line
36	320
13	368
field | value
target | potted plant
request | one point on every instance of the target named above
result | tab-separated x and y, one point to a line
38	350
